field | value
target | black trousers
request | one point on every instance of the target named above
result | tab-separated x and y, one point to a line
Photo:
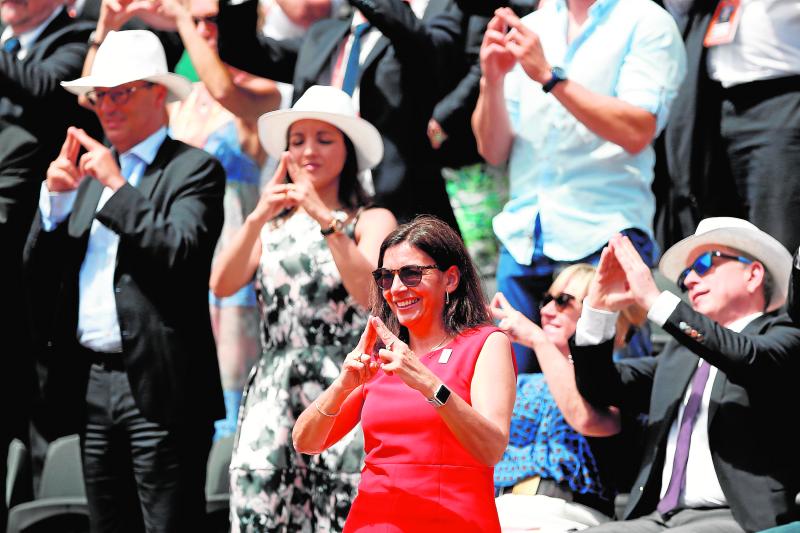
760	128
140	476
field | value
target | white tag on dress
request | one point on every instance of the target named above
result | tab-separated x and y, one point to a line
445	355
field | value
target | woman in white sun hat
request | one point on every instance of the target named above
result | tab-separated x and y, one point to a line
310	243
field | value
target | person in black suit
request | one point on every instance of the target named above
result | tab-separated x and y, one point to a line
41	46
719	450
21	169
399	84
121	253
793	305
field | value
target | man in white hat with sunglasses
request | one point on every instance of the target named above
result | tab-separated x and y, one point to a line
120	256
719	450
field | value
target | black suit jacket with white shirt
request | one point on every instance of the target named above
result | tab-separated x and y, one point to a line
751	424
168	227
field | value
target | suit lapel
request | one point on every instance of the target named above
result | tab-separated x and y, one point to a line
326	50
152	174
722	380
85	208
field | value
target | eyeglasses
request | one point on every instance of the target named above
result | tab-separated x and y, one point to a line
410	275
703	264
117	96
562	300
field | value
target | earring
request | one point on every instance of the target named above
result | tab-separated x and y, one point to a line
447	298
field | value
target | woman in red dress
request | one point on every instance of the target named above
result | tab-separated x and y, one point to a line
433	384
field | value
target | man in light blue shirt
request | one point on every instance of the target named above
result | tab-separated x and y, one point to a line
119	259
571	97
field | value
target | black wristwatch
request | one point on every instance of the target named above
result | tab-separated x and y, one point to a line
338	218
557	76
440	397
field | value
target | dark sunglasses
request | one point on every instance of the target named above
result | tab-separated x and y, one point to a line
702	264
117	96
410	275
562	300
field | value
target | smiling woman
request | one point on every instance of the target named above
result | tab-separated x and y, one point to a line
432	384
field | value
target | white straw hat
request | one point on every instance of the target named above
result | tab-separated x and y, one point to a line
330	105
127	56
740	235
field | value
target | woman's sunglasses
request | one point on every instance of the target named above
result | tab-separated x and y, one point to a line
410	275
562	300
703	264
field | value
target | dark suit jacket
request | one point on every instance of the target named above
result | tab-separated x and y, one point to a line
400	84
793	303
32	96
750	421
168	227
21	172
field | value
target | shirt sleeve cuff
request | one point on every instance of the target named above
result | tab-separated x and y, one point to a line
664	305
595	326
55	206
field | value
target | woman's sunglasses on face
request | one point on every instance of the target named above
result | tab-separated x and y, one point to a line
703	264
562	300
410	275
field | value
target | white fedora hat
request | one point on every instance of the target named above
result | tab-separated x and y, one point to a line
127	56
330	105
740	235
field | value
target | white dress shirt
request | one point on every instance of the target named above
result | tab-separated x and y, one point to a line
98	323
702	488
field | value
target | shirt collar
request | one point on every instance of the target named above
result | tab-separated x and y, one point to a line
596	10
148	148
27	38
741	323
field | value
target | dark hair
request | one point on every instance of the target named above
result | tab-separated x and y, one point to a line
467	308
351	193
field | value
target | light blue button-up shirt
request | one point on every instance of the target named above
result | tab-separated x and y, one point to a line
585	188
98	323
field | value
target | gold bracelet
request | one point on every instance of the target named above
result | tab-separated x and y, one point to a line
323	413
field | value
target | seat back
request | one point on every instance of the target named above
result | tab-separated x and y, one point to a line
62	474
18	474
219	460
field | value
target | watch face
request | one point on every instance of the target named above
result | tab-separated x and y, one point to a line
559	73
442	394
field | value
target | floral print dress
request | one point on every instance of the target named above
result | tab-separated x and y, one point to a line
309	324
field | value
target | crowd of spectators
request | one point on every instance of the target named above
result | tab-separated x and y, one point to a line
190	260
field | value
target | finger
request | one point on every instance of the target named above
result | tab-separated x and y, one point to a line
86	140
510	18
73	147
388	338
503	302
371	335
496	24
280	172
114	5
493	37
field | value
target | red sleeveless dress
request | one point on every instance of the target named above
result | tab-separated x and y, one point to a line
417	477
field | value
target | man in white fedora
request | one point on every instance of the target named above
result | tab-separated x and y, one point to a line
120	257
719	453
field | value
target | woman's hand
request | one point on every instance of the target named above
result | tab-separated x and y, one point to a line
275	197
359	367
516	325
398	358
301	193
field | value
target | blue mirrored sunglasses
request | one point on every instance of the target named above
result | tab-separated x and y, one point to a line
702	264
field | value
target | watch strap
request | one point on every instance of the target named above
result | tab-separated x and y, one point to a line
556	76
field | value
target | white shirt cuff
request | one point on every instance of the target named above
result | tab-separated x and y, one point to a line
595	326
55	206
664	305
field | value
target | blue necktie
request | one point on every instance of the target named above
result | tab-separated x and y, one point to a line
12	46
351	72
